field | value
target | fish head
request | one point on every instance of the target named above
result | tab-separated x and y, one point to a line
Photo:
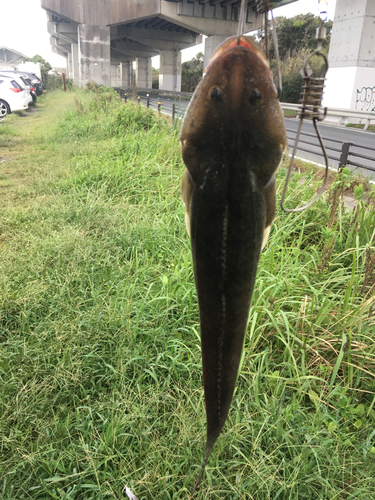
236	103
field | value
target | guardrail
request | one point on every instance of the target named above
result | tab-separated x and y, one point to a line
335	116
348	153
345	153
140	90
151	98
341	116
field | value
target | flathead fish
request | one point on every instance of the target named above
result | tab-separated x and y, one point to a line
232	140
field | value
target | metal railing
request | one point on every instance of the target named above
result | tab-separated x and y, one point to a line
158	92
151	98
345	153
340	116
348	153
337	115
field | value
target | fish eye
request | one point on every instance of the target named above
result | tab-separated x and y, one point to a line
255	96
216	94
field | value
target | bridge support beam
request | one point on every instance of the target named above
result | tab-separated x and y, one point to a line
211	43
94	54
351	77
75	63
69	66
170	70
127	70
143	72
116	74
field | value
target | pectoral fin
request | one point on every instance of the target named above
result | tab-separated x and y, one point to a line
187	187
270	198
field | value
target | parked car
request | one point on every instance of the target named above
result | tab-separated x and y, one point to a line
37	83
21	83
29	84
13	97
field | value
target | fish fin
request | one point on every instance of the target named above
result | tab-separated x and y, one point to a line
187	187
270	199
265	236
203	467
187	221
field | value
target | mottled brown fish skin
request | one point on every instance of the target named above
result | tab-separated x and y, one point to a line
232	141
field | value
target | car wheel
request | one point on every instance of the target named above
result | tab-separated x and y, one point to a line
4	109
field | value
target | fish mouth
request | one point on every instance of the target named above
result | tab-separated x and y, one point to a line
234	42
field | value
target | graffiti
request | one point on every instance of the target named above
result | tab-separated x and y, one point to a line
365	99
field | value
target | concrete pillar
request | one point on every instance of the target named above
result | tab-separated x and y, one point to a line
351	78
94	55
143	72
127	67
170	70
69	66
75	63
211	43
116	74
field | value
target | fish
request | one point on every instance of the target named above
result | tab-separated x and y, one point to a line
232	140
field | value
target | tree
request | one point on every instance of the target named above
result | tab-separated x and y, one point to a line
296	39
296	33
192	72
155	78
45	67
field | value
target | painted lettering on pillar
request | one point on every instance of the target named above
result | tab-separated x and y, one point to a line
365	99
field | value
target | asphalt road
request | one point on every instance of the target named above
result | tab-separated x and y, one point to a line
363	143
333	138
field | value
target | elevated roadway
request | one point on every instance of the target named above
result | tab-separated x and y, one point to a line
102	38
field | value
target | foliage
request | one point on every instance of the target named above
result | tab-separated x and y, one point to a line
191	73
155	78
55	82
105	116
50	81
133	116
291	77
296	33
44	68
296	39
100	361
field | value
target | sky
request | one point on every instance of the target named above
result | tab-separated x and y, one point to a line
24	28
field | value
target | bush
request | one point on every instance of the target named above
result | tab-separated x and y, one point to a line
55	82
134	116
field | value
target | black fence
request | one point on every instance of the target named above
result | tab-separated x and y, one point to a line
170	103
345	153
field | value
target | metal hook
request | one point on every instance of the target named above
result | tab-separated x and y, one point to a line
311	108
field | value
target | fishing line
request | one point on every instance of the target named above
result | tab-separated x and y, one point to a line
263	7
276	46
242	20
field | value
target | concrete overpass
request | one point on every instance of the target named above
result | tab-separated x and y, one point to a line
102	38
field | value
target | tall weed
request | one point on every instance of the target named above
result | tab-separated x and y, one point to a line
100	359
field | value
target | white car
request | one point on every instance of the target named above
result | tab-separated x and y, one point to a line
21	83
13	96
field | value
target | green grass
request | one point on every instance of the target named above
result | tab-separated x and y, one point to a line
100	369
289	113
371	128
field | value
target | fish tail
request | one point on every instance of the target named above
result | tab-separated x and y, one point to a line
207	453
